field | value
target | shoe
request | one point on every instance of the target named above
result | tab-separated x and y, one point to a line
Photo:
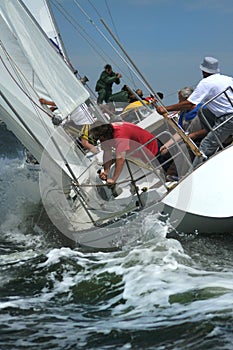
172	178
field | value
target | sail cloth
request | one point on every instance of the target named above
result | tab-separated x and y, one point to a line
59	81
24	72
40	10
40	128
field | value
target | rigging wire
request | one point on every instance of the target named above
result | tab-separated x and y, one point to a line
83	33
94	48
110	15
97	29
117	35
73	22
109	42
75	180
79	28
115	29
75	25
109	12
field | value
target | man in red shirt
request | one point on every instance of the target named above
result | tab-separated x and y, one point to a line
125	138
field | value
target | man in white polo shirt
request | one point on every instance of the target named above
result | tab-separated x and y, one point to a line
221	108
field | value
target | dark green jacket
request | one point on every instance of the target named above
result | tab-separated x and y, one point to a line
106	81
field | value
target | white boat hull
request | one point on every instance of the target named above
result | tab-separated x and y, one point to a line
202	202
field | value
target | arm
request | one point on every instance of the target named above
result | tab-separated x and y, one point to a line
43	101
169	143
89	146
198	134
107	160
110	79
194	135
119	164
120	160
181	106
118	76
87	140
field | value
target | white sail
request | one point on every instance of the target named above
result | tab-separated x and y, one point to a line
27	59
40	10
58	80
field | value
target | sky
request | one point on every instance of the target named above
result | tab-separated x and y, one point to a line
165	39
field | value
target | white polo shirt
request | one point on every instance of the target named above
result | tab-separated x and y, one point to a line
208	88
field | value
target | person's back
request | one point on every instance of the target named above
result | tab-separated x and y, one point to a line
210	87
220	108
129	137
125	138
217	90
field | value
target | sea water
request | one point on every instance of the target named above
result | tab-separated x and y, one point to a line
160	294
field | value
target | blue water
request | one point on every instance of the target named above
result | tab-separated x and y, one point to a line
162	294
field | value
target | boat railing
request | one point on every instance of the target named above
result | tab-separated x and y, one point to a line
205	119
154	163
136	114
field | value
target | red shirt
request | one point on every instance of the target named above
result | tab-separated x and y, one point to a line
128	137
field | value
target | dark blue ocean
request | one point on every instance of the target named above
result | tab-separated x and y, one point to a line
161	294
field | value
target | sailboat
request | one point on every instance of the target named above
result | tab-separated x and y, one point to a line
82	207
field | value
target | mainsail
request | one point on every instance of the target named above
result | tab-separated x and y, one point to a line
27	60
41	11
